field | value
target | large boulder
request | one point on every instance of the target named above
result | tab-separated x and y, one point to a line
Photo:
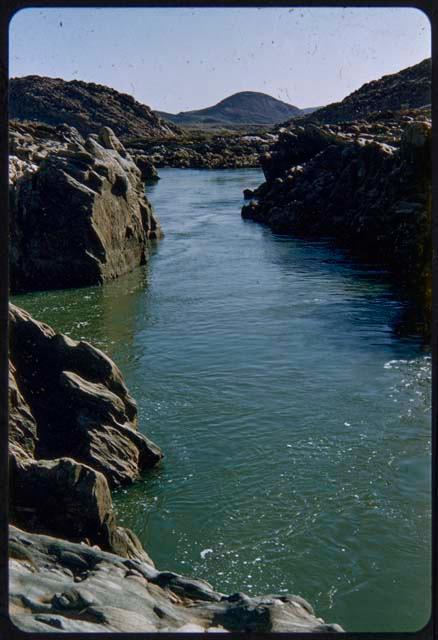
62	586
78	217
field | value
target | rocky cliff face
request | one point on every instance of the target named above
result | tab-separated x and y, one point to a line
78	211
73	435
367	184
409	88
84	105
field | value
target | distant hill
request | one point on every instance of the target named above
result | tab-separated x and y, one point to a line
307	110
408	88
245	108
84	105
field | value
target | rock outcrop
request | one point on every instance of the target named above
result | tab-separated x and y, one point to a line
84	105
147	168
57	585
76	403
73	435
368	191
31	142
366	184
79	215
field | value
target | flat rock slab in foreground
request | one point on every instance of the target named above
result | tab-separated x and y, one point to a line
61	586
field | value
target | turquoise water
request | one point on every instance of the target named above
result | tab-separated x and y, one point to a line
294	419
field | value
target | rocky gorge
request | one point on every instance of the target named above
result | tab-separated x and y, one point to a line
79	216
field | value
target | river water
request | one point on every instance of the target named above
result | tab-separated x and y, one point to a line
294	418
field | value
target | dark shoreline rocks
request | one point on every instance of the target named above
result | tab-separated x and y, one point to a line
366	185
90	415
78	217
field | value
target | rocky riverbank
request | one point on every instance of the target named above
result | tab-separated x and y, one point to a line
406	89
73	435
366	184
78	213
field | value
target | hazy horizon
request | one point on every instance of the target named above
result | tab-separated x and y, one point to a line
181	59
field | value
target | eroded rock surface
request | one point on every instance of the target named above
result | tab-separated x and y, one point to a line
78	401
79	215
62	586
73	434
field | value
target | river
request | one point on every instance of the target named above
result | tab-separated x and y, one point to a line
294	418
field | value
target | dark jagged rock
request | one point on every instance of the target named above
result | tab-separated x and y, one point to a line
22	426
59	585
80	216
84	105
366	184
302	140
63	497
147	168
409	88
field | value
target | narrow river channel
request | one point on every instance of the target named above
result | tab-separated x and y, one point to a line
294	419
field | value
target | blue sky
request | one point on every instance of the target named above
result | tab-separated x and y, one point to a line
175	59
